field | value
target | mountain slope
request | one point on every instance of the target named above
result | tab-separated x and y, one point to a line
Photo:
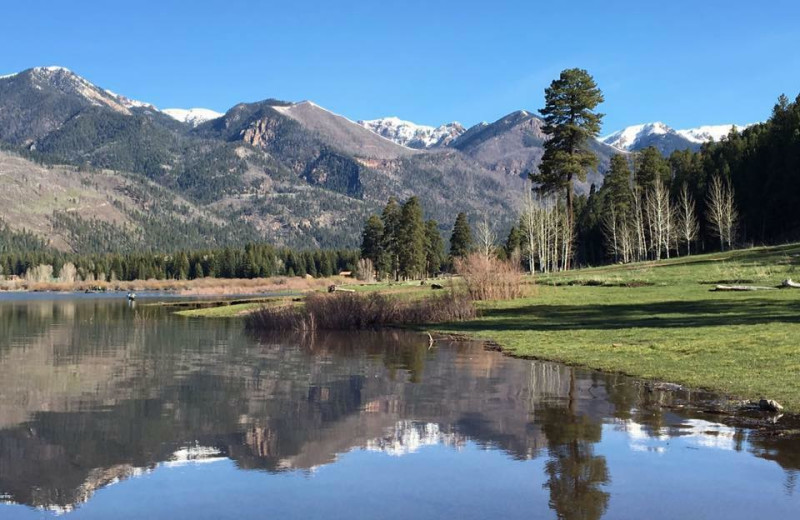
514	145
319	147
96	211
288	173
341	133
39	100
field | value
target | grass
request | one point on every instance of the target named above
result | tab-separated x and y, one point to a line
661	321
222	311
197	287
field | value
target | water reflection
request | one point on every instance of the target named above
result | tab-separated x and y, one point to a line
96	392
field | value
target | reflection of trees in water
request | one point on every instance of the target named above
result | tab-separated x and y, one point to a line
575	475
100	390
152	386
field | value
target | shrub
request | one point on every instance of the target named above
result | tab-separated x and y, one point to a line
356	311
489	278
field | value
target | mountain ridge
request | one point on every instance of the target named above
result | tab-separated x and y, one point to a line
665	138
291	173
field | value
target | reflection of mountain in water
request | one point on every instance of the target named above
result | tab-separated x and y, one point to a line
92	393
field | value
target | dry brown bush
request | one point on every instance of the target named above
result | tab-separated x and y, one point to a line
356	311
489	278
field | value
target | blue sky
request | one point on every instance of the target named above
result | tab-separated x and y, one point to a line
684	63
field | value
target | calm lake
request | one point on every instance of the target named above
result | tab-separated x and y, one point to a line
113	411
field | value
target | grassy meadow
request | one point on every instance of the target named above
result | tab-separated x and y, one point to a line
662	321
655	320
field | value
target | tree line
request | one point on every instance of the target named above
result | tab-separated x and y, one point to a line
741	190
251	261
400	243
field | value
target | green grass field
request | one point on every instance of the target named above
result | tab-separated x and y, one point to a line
655	320
661	321
222	311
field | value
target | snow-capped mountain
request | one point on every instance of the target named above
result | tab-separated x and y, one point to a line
665	138
628	138
62	79
192	116
702	134
413	135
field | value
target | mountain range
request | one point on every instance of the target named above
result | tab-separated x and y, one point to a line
93	171
664	138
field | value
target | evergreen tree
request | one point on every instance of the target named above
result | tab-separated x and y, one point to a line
461	239
617	184
513	243
571	123
182	266
372	242
651	167
411	240
391	233
197	271
434	248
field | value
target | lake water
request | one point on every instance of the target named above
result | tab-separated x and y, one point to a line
115	411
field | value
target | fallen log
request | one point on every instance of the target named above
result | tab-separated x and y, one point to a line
336	288
789	284
742	288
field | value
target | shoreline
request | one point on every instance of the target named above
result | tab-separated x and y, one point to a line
731	410
196	287
703	402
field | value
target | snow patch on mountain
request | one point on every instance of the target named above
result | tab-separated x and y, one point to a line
702	134
627	138
128	102
192	116
638	136
413	135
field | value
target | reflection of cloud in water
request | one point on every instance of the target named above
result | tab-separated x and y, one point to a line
193	455
408	437
708	434
104	478
695	432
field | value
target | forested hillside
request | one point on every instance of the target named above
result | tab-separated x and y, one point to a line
759	167
286	173
89	171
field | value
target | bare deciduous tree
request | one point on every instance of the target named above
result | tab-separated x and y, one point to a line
548	235
659	218
611	232
722	214
688	228
486	237
529	221
639	224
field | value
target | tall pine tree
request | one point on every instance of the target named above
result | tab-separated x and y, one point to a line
571	123
391	235
617	185
411	240
651	166
372	242
461	239
434	248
